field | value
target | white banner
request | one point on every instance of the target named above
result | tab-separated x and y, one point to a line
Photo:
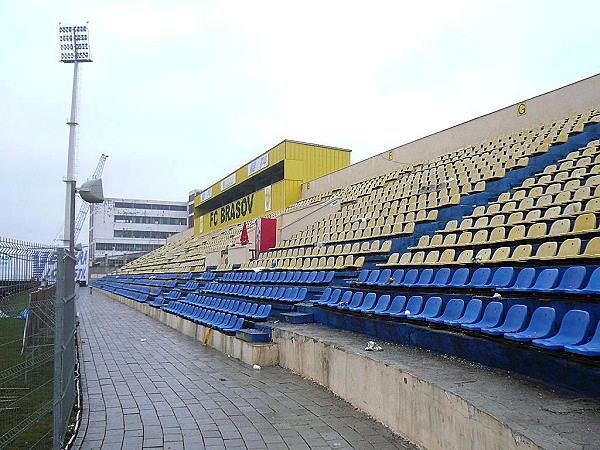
228	182
81	266
258	164
206	195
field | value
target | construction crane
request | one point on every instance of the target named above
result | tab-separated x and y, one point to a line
85	207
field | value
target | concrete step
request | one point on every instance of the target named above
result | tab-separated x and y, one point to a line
305	307
253	336
297	317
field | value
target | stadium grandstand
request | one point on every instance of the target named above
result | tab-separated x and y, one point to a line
479	242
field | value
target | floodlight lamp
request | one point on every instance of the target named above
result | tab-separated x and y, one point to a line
74	44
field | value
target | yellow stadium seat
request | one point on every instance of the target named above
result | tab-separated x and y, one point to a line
423	241
570	248
480	237
537	230
483	255
432	257
451	225
560	227
497	220
516	233
521	252
465	238
546	250
592	249
585	223
417	257
465	257
447	256
405	259
593	205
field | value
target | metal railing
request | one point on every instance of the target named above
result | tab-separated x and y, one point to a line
37	345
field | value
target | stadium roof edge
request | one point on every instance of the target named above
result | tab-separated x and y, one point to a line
268	150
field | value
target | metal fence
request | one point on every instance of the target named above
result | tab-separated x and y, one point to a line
37	345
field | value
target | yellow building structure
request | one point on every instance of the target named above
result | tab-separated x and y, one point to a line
267	184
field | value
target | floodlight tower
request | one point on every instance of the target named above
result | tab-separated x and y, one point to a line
74	49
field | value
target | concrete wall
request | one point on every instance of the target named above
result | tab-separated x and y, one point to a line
422	412
299	219
577	97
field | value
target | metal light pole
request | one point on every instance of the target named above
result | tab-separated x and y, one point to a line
74	49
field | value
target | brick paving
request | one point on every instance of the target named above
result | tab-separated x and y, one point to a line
145	385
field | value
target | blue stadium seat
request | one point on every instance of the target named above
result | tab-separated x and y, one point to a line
384	277
324	296
227	322
337	297
367	304
312	277
503	277
540	326
454	309
459	278
433	307
545	281
383	304
237	326
472	314
355	301
424	278
591	348
515	321
593	285
491	317
329	275
441	277
253	310
262	312
303	277
480	278
397	276
373	277
410	278
363	275
397	307
524	280
301	295
573	329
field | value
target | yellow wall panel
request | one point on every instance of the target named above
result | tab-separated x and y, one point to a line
302	163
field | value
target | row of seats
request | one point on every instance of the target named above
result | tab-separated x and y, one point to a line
227	323
584	223
239	308
190	286
275	293
571	281
137	296
569	249
540	328
316	263
374	246
280	277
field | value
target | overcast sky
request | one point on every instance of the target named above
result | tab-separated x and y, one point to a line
181	93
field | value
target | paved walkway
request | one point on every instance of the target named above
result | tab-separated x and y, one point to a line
147	386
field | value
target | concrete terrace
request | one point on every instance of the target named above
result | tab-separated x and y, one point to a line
145	385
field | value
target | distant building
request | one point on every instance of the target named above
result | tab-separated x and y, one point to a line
121	228
191	198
